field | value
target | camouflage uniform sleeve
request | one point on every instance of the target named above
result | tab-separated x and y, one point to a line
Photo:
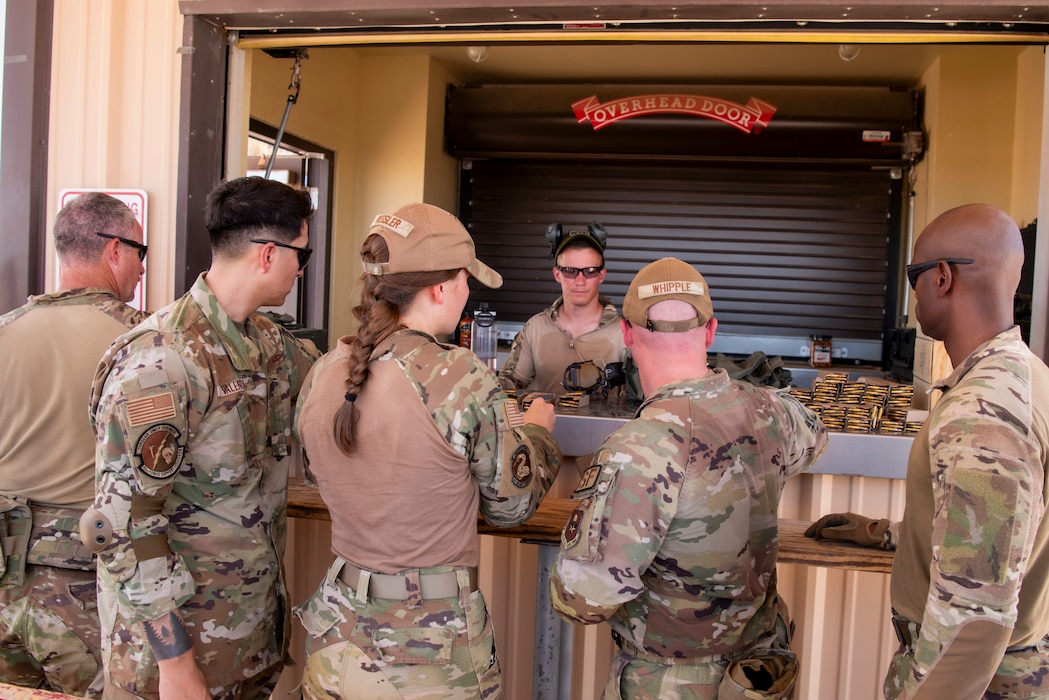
140	401
987	488
626	501
300	354
803	431
514	463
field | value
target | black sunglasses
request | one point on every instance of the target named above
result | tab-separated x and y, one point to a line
304	253
914	270
127	241
573	272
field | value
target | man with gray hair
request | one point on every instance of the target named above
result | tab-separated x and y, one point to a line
674	538
49	628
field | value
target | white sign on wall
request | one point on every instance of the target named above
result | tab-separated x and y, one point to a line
136	202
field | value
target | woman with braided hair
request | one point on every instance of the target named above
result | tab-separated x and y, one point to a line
408	437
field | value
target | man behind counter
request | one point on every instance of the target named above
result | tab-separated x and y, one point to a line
971	571
51	347
581	325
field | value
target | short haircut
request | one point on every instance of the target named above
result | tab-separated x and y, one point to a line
254	207
83	217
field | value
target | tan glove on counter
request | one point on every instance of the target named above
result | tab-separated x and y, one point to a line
849	527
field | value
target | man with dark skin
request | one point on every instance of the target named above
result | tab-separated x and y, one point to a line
971	573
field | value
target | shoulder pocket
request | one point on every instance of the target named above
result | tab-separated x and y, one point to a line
584	536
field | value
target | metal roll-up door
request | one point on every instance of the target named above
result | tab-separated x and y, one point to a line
789	251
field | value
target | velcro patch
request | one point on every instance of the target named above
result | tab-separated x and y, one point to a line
521	467
235	387
150	409
514	418
159	451
587	482
394	223
660	289
573	528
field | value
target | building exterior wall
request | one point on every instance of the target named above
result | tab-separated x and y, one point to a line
114	124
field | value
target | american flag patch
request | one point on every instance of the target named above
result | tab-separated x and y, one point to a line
151	409
513	414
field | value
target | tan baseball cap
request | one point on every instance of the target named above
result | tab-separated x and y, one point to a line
664	280
425	238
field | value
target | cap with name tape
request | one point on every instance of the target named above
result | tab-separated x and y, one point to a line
425	238
664	280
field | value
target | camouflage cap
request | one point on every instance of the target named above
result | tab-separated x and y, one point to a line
664	280
425	238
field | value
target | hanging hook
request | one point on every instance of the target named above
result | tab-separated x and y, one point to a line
296	77
293	96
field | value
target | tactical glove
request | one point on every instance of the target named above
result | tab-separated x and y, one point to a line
849	527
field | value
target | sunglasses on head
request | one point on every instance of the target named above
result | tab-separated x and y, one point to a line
141	248
303	253
573	272
916	269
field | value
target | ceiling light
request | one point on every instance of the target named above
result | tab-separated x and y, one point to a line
848	52
477	53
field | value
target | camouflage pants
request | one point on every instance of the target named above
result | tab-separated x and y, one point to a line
377	648
636	679
258	687
1020	675
49	632
633	678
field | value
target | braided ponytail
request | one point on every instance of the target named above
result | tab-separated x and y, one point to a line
383	299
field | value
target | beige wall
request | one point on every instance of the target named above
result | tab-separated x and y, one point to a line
983	117
115	76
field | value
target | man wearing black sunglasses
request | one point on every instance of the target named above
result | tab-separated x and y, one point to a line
970	578
50	349
581	325
193	416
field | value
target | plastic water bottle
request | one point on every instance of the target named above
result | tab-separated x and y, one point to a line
484	340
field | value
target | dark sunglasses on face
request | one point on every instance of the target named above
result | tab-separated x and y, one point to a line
573	272
127	241
914	270
303	253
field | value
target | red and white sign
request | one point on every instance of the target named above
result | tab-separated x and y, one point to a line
750	118
136	201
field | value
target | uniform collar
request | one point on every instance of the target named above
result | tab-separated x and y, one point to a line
84	294
1007	340
240	345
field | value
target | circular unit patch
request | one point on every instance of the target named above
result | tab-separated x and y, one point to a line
521	467
159	451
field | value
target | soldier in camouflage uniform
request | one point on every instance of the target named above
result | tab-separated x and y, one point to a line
192	412
581	325
674	538
407	436
49	636
970	579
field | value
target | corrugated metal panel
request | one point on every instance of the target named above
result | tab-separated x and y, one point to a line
787	251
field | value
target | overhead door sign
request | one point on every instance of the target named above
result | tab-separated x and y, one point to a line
750	118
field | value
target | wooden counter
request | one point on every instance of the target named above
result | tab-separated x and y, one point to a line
545	527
